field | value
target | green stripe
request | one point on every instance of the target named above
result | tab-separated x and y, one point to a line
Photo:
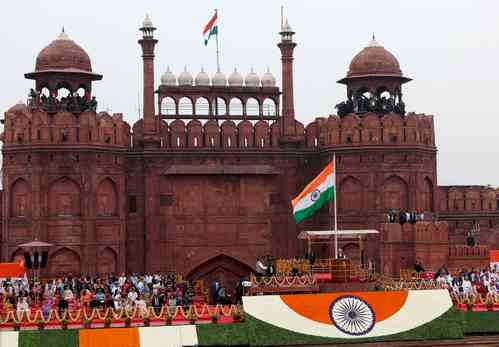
309	211
49	338
213	31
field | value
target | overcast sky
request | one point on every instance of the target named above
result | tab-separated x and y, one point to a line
449	48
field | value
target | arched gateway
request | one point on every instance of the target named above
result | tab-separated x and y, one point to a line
222	268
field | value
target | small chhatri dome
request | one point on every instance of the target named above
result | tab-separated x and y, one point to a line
19	108
185	78
63	54
168	78
374	60
252	79
147	22
235	79
202	79
268	80
219	79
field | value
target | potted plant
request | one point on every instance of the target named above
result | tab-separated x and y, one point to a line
128	322
469	304
237	316
489	303
64	324
147	321
168	319
40	324
192	317
215	317
87	323
107	322
17	326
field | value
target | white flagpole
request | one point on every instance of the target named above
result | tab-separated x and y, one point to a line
335	211
216	38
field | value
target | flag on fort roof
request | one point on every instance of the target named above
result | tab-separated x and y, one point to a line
315	195
210	29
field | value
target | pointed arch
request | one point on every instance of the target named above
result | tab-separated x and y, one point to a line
17	256
107	198
20	198
350	195
395	193
64	198
223	268
427	195
107	262
63	262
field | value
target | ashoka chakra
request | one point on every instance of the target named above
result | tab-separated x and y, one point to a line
352	315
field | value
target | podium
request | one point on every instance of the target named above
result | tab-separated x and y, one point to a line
341	270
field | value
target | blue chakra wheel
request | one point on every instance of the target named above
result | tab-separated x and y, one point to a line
352	315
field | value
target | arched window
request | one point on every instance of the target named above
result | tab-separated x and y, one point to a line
220	107
195	141
427	195
350	195
81	92
64	198
168	106
63	93
235	107
229	142
395	194
252	107
45	92
202	107
185	106
269	107
20	199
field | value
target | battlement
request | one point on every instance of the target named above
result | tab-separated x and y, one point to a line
28	126
468	198
371	129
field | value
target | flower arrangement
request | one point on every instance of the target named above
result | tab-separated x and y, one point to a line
237	316
17	326
87	323
64	324
147	321
128	321
192	317
168	319
489	303
107	322
40	324
215	317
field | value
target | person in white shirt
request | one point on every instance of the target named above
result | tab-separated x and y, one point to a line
23	307
260	269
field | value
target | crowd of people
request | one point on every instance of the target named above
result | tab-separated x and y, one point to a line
116	292
470	284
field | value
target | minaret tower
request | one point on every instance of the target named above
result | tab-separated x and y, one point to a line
147	43
287	46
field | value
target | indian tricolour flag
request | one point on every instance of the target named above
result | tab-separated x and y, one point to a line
315	195
210	29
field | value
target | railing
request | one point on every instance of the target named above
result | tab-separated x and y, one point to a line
84	316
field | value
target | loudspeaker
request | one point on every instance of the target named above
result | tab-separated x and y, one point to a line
27	260
36	260
45	258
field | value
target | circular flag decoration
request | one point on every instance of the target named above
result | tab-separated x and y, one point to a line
316	194
352	315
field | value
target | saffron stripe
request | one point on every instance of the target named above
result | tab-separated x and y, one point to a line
208	26
315	182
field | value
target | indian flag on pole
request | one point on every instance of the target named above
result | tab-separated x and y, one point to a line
210	29
315	195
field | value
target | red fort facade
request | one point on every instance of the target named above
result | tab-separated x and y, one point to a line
202	183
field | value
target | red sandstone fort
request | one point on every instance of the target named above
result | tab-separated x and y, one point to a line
202	183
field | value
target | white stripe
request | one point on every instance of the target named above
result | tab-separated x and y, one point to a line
306	201
9	339
189	335
166	336
421	307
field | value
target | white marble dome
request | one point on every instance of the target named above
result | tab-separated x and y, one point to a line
168	78
147	22
202	79
252	79
268	80
219	79
235	79
185	78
